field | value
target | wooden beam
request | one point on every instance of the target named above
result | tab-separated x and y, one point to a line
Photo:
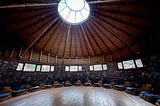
27	5
40	57
102	1
66	42
88	42
42	33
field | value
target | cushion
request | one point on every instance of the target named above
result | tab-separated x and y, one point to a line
131	89
107	85
158	101
48	86
3	95
19	91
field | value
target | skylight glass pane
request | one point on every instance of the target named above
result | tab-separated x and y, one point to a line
62	1
38	68
120	66
19	67
79	68
65	12
104	67
73	68
79	17
66	68
128	64
98	67
71	17
91	68
29	67
139	63
60	8
85	13
76	6
45	68
52	68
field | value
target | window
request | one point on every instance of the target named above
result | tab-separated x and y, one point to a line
52	68
29	67
73	68
139	63
66	68
98	67
45	68
19	67
38	68
73	11
120	66
128	64
91	68
104	67
79	68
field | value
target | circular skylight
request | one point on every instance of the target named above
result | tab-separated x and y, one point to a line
73	11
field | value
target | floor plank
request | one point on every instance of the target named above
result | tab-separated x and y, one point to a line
76	96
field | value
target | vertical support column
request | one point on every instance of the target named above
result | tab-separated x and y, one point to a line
12	52
40	57
89	60
48	58
30	56
56	59
20	52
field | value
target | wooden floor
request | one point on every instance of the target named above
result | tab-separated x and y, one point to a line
76	96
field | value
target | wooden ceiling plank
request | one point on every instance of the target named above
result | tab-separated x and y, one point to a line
93	28
80	37
66	42
102	1
70	46
25	36
119	20
93	38
61	37
30	25
54	38
42	34
80	40
87	41
115	35
107	36
121	30
51	35
27	5
24	17
99	35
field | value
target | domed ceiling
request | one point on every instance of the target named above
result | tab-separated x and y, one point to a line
113	26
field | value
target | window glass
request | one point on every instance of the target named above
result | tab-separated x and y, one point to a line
79	68
29	67
104	67
128	64
73	68
19	67
120	66
91	68
38	68
66	68
45	68
52	68
98	67
139	63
